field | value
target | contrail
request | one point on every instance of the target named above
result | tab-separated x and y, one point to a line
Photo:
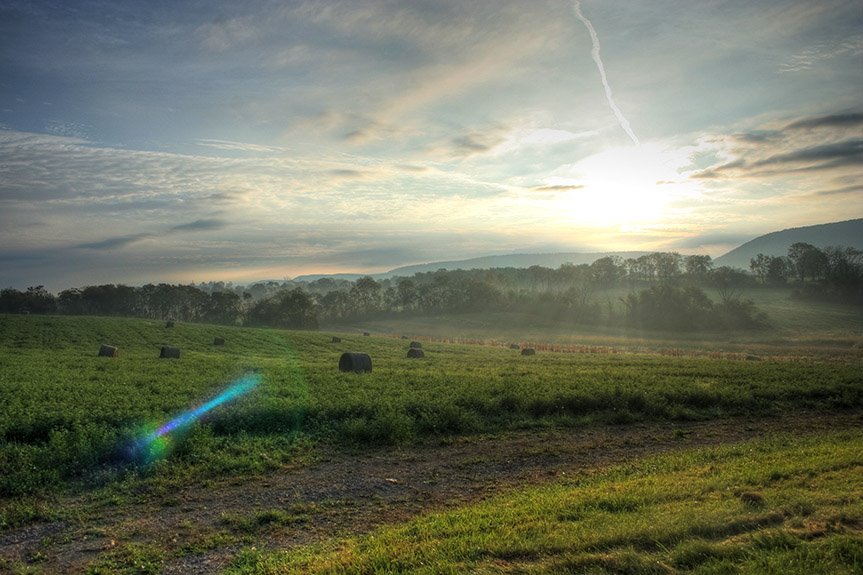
624	123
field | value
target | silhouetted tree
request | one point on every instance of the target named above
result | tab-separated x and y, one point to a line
807	260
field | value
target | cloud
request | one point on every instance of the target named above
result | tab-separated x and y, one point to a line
199	225
825	143
847	190
237	146
558	188
115	242
849	152
821	52
844	120
348	173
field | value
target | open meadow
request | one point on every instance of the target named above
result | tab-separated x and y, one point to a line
641	458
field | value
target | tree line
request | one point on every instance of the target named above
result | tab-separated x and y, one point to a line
665	291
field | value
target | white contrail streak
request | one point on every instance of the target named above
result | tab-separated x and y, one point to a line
624	123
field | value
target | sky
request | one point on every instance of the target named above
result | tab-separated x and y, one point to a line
239	141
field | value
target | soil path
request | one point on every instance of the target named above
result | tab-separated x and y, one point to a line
352	493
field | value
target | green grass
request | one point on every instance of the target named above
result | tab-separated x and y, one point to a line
783	506
68	416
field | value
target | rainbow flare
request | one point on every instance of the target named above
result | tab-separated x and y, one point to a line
155	444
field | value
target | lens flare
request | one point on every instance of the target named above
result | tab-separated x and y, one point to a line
157	443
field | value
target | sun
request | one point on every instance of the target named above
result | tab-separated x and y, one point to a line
626	186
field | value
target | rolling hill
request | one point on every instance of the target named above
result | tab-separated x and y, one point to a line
848	233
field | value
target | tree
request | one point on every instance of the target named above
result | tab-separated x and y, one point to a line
607	271
698	266
406	294
729	282
289	309
778	270
668	307
807	260
759	266
366	295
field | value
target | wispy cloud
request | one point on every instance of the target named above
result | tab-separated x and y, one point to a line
594	52
558	188
199	226
237	146
818	143
115	242
814	55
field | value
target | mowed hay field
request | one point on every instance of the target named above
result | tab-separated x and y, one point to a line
72	423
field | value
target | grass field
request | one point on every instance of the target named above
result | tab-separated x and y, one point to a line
72	424
779	506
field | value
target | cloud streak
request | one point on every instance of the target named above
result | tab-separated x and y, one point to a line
594	53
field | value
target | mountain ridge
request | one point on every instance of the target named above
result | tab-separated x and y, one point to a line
848	233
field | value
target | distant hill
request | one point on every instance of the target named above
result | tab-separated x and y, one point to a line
848	233
486	262
511	261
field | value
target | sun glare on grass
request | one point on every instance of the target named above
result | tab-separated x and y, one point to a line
626	186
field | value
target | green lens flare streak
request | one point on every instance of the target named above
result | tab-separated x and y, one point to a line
156	444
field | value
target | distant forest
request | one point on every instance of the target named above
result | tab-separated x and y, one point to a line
661	291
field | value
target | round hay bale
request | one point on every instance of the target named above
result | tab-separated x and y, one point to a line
416	352
366	334
355	362
528	351
169	352
337	339
752	357
404	337
169	323
108	351
218	341
416	345
514	346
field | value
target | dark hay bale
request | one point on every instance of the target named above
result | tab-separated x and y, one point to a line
366	334
355	362
752	357
404	337
528	351
169	352
416	345
415	352
514	346
108	351
218	341
337	339
169	323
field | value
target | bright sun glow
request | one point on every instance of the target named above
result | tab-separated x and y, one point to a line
624	186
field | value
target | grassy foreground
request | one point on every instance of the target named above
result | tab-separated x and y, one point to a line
783	506
69	415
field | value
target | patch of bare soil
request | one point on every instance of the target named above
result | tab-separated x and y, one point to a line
200	528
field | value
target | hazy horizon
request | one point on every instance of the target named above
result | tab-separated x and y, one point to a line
144	142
